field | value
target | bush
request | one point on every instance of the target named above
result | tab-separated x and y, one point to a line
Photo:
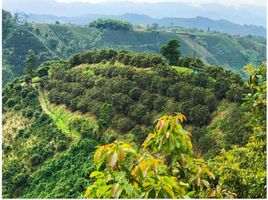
12	102
42	72
62	145
139	133
28	113
35	160
17	107
199	115
44	117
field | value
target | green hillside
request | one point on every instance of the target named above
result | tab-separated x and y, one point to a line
97	112
53	122
50	41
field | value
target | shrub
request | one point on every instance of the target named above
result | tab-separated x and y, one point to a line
12	102
123	125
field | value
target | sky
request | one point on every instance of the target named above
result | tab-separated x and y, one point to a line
252	11
192	2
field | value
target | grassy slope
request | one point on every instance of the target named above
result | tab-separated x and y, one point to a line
59	116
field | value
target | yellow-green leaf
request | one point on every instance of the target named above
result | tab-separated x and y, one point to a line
96	174
112	159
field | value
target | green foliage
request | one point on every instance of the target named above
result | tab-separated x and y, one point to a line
190	62
65	175
106	116
111	24
153	27
243	169
171	52
226	82
7	74
136	94
8	23
28	143
165	168
127	58
53	43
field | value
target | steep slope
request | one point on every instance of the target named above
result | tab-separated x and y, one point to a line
40	158
52	123
18	41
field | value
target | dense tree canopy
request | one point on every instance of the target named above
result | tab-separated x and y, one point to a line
113	24
140	60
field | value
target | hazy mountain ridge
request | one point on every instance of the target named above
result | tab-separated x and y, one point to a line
243	14
201	23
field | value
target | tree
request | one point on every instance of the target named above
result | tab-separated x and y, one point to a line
75	60
7	73
235	93
190	62
30	63
164	168
135	93
43	71
199	115
171	52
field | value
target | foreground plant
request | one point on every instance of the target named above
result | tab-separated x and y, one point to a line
164	168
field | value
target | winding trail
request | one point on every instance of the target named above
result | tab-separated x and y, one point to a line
58	118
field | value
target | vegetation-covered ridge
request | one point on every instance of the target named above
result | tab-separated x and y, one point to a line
136	96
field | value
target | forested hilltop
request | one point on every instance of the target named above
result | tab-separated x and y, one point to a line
56	115
51	41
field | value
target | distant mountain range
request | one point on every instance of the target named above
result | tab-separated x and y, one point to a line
240	14
200	23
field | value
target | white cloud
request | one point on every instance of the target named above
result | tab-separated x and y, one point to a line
192	2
